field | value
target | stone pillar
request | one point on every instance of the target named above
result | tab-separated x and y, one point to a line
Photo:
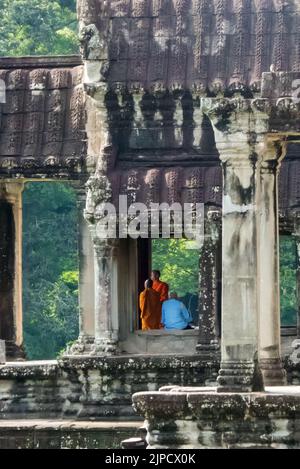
106	296
12	193
250	156
2	352
298	287
239	365
269	276
86	282
295	355
208	345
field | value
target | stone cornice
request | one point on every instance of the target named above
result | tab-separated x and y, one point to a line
55	61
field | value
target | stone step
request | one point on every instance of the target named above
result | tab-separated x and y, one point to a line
66	434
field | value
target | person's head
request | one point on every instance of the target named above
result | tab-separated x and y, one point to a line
155	275
148	283
173	295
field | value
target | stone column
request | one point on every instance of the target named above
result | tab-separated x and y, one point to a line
86	281
12	193
250	288
208	345
239	364
295	355
268	257
298	287
106	296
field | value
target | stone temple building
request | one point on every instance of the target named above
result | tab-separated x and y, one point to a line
189	101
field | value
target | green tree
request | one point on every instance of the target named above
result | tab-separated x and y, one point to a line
288	285
50	268
38	27
179	267
178	264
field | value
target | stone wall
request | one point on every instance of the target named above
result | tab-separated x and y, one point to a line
96	388
65	435
201	418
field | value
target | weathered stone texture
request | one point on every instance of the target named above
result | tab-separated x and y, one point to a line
98	388
2	352
174	42
42	126
201	418
58	434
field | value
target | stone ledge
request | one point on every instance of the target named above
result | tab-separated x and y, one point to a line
28	369
40	61
199	418
67	434
145	362
173	401
168	332
67	424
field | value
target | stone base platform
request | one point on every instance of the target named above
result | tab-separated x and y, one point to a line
98	388
64	434
200	418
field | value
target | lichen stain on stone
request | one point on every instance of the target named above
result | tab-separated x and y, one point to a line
239	187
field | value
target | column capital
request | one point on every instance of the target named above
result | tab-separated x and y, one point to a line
237	116
242	130
272	150
12	190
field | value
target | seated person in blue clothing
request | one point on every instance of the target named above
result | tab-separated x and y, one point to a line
174	314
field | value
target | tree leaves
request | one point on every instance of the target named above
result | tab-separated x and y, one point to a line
38	27
179	265
288	280
50	268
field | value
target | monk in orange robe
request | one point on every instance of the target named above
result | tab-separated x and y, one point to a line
150	306
161	287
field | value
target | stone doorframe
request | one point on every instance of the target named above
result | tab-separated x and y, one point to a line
12	315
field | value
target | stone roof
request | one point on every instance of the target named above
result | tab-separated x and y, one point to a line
182	42
42	119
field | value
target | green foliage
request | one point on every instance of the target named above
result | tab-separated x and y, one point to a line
50	269
179	268
288	280
179	265
38	27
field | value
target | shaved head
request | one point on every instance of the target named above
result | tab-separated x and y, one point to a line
155	274
148	283
173	295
